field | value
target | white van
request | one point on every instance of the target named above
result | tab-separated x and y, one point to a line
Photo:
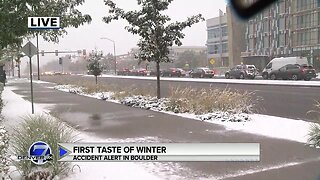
277	63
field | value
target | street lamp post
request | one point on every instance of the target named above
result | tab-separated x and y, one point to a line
114	54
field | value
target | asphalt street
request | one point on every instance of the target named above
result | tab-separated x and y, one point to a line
110	120
284	101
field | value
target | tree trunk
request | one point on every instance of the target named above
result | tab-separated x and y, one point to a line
19	74
12	66
158	80
96	79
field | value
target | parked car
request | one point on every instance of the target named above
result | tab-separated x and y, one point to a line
242	72
123	72
153	72
294	72
254	69
183	72
275	64
173	72
201	73
138	72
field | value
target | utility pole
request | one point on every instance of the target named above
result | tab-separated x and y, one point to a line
114	54
115	58
38	61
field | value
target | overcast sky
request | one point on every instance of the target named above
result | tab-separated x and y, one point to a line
88	36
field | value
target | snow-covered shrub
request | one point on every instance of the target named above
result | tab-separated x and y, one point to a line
314	131
205	101
146	102
41	128
4	145
224	117
4	159
314	135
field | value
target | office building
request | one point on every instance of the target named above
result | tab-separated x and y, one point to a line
225	37
286	28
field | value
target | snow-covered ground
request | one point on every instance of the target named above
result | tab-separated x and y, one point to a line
271	126
234	81
16	107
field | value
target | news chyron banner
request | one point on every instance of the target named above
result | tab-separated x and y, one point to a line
159	152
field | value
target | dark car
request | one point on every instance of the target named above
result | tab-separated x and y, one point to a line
294	72
153	72
172	72
242	72
123	72
201	73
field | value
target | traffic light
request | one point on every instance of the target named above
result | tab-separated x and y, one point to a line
56	52
60	60
84	52
42	53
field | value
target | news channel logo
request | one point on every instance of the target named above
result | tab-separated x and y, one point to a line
39	153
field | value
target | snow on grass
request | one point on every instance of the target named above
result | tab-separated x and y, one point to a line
15	107
233	81
265	125
271	126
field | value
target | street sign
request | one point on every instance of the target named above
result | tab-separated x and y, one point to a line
212	61
29	49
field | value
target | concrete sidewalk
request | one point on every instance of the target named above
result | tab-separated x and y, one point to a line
280	159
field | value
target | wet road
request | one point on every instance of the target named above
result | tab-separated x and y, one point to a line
283	101
110	120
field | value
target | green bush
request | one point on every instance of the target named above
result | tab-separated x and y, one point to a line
41	128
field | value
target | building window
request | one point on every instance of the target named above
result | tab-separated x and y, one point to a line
213	49
225	48
282	23
282	7
214	33
282	40
251	29
252	44
266	26
266	42
266	12
224	31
